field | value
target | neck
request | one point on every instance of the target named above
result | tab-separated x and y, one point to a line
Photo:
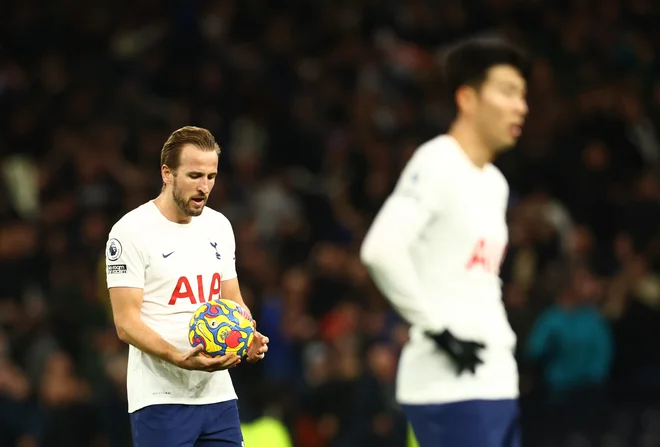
472	144
168	208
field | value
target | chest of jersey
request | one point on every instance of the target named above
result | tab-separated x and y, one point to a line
470	234
184	268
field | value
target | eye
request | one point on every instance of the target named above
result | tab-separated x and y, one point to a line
509	92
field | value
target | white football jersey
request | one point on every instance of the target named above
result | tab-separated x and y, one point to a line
435	250
179	267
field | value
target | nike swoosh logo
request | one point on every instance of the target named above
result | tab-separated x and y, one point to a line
167	255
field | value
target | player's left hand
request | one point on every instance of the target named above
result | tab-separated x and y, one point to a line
258	348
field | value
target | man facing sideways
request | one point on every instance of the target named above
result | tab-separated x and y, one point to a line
435	250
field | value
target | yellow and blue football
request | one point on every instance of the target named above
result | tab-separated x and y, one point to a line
221	327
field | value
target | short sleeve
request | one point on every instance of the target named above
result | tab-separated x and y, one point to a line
423	180
229	260
124	261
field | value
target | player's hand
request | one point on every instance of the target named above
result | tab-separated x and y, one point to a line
464	353
195	360
258	348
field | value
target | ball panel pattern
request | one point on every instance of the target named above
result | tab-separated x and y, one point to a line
221	327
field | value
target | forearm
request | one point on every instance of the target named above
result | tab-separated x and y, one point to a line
138	334
238	299
397	282
231	290
386	254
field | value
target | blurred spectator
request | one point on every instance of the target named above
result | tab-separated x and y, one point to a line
18	419
377	419
573	344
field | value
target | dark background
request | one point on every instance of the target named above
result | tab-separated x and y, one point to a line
317	105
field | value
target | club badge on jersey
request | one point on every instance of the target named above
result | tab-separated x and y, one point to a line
215	247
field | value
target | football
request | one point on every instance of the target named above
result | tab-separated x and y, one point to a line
221	327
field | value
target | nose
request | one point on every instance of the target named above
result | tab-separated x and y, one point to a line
203	186
521	107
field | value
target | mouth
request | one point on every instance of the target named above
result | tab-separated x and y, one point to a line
198	200
515	130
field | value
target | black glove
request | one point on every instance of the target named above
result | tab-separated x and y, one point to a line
464	353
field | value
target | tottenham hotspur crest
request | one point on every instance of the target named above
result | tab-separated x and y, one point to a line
215	247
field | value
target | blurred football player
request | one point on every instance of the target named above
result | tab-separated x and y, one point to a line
435	250
164	259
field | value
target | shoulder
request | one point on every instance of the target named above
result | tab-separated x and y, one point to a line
429	168
215	219
433	162
439	151
131	223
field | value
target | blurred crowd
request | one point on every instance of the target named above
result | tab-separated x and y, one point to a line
317	106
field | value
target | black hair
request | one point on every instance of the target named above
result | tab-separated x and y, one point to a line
468	62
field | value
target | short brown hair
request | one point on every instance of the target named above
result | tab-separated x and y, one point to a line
199	137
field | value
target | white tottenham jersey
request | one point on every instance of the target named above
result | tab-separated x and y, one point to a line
179	267
435	251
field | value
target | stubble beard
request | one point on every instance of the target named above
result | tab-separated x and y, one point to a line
184	205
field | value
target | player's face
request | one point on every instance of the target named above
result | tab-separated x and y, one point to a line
194	179
502	107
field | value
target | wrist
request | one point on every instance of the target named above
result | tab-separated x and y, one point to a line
173	356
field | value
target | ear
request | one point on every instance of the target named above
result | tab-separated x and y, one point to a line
166	174
466	99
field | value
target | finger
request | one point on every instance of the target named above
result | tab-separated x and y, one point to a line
229	364
264	339
194	351
254	353
233	359
255	358
222	366
227	359
235	362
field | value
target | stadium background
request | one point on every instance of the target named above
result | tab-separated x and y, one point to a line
317	105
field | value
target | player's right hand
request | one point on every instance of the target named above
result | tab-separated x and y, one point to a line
195	360
464	353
